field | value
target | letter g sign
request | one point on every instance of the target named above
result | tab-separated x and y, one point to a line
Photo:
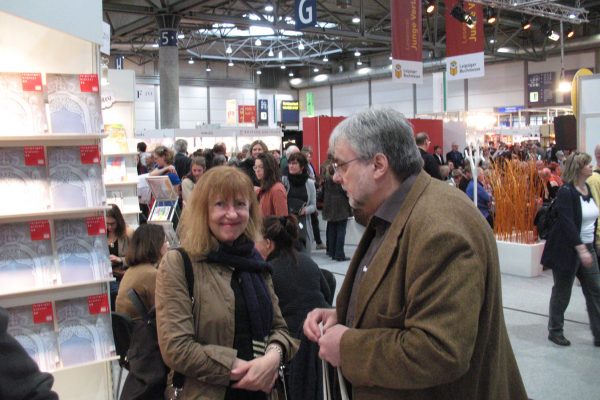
306	13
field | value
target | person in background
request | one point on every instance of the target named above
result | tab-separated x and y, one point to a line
437	155
301	195
231	340
413	319
467	177
118	235
445	173
550	186
141	149
257	147
455	156
277	156
197	168
569	249
429	164
163	157
182	161
314	217
272	196
283	165
219	159
594	184
456	178
484	199
220	148
560	159
148	245
336	211
20	376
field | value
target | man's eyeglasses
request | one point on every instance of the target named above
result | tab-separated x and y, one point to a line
338	167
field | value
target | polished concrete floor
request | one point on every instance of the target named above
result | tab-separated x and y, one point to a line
549	371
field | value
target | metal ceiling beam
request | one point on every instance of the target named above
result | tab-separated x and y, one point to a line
547	9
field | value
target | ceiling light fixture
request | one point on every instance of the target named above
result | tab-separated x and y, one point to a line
282	67
291	74
430	6
315	69
191	61
280	55
325	59
525	24
492	41
459	13
269	8
490	15
359	63
355	19
181	36
271	54
228	50
549	33
257	42
230	63
155	45
356	53
208	68
570	33
301	46
258	72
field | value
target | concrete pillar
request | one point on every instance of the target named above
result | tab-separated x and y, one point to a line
168	68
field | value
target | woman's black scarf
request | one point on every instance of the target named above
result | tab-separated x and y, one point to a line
245	259
299	179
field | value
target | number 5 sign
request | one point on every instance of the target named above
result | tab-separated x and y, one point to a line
306	13
167	37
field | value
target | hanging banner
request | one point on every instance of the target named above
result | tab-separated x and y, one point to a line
407	41
310	104
247	114
231	111
306	13
464	45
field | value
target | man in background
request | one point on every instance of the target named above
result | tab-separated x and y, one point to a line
182	161
455	156
437	155
429	164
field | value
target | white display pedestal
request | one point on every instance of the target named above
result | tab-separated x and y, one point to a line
520	259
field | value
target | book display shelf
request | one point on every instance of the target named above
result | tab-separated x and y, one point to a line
54	261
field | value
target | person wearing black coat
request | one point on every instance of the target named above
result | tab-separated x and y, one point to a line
20	377
455	156
569	249
429	164
336	211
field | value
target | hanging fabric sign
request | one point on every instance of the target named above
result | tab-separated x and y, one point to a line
407	41
464	45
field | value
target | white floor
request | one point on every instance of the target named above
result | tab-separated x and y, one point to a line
549	371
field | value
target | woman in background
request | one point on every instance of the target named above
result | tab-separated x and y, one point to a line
569	249
271	194
146	249
197	168
118	235
230	340
164	158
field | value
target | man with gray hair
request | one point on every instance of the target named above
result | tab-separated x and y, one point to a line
182	161
419	314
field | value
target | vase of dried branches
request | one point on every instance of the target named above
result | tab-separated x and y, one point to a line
517	191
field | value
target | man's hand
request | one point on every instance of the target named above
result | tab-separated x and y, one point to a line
258	374
329	345
327	316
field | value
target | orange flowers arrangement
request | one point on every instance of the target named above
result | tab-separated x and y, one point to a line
517	190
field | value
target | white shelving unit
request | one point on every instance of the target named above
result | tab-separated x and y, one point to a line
62	37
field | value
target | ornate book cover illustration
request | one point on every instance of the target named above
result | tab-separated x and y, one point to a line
22	108
23	177
75	104
81	256
26	260
84	330
75	179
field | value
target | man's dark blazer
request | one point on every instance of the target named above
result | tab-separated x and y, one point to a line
430	165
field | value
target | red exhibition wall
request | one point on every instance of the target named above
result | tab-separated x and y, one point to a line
317	130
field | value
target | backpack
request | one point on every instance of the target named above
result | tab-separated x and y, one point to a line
147	378
545	218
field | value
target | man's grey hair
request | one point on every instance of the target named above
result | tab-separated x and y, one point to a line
384	131
291	150
180	146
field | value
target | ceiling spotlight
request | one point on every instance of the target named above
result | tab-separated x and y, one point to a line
258	72
570	33
355	19
191	61
291	74
181	36
359	62
208	68
315	69
430	6
357	53
257	42
492	41
325	59
572	16
230	63
549	33
490	15
228	50
269	8
461	15
271	54
525	24
301	46
282	67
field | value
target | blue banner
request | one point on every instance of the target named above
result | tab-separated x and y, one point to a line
306	13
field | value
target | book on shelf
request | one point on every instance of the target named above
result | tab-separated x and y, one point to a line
24	180
162	188
84	330
75	104
76	177
22	108
33	327
82	249
26	260
116	169
116	142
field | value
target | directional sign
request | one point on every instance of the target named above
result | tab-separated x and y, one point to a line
306	13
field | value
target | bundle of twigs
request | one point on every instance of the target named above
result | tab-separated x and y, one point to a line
517	190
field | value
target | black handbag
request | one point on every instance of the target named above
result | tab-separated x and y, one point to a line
295	205
147	378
